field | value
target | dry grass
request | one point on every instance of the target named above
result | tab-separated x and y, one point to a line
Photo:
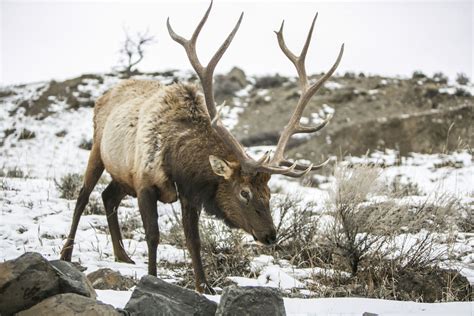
387	246
69	185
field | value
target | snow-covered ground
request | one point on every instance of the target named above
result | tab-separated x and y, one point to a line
33	217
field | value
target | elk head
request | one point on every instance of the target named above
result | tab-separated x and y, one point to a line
244	199
242	191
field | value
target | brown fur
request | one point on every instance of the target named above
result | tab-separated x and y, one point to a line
154	139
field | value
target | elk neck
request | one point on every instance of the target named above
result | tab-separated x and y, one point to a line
190	140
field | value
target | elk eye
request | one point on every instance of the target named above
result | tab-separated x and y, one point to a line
245	194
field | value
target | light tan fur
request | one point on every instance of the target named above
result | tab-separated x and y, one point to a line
125	127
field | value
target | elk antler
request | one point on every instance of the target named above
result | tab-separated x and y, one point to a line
307	91
206	76
275	165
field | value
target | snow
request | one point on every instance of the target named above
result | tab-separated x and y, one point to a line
334	306
358	306
117	299
332	85
270	276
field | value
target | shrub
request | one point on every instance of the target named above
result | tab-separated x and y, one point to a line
349	75
440	78
461	92
267	82
356	227
462	79
131	224
95	206
400	187
14	172
417	74
86	144
9	131
61	133
69	186
26	134
297	230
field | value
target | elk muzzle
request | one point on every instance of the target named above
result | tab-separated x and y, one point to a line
265	237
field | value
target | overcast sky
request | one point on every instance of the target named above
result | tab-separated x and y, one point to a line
61	39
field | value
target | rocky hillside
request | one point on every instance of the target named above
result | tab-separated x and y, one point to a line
421	114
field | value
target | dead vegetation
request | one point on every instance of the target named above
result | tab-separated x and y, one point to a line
69	185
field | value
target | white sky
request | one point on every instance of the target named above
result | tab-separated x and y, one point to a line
61	39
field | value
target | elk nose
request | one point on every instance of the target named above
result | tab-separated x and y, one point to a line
270	238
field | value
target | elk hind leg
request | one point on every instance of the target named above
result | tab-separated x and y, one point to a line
112	196
94	170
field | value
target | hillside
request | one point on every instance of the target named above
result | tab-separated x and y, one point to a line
402	162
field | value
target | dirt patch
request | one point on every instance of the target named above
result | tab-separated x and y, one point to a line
371	112
64	91
427	132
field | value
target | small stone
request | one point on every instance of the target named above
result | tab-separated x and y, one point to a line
108	279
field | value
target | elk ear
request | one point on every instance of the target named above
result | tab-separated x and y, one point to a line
220	167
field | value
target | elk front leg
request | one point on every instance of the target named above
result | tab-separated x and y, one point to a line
193	242
147	199
112	196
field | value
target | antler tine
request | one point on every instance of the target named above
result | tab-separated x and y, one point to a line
299	167
298	61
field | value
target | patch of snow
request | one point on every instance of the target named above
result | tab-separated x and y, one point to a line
447	90
332	85
270	276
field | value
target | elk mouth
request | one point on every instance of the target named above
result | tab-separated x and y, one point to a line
253	235
260	241
254	238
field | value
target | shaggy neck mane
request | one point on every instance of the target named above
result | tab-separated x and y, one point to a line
190	142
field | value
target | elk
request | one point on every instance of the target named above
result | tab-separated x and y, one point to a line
161	143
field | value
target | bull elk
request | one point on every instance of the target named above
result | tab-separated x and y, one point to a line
161	143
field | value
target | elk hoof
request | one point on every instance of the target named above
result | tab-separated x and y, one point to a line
123	257
66	252
205	288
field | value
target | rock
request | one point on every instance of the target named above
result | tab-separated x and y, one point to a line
30	278
238	75
70	304
431	285
250	300
108	279
153	296
227	85
71	280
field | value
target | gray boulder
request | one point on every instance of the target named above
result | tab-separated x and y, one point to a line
71	280
153	296
70	304
250	300
30	278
